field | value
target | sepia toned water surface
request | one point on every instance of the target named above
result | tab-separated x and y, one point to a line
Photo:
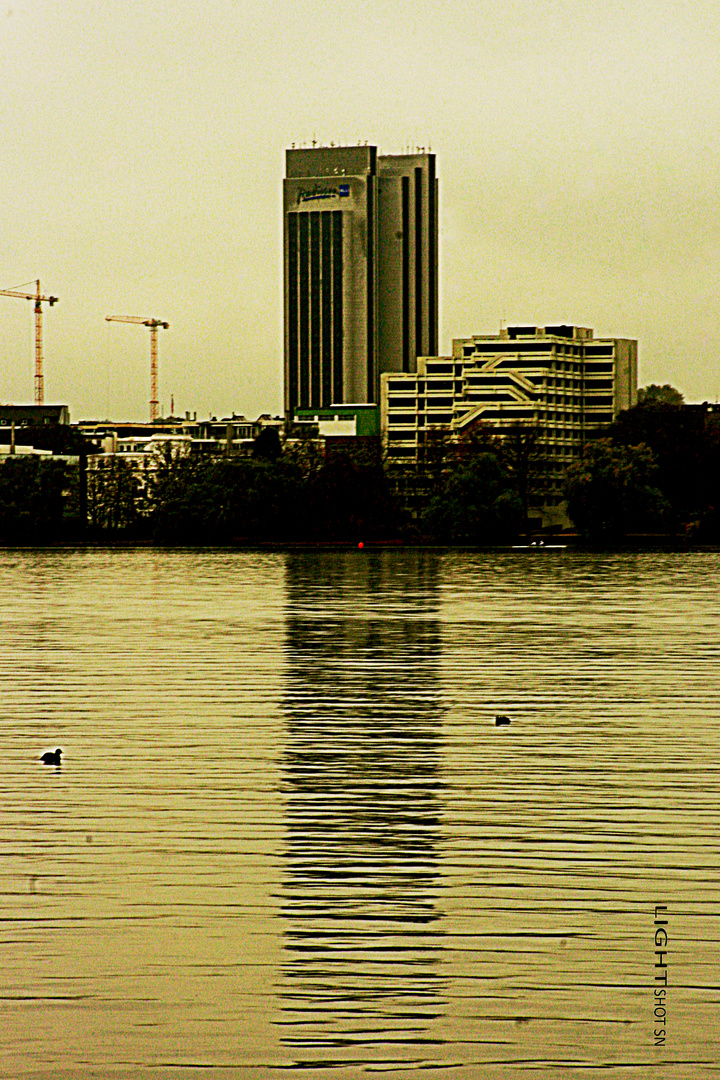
287	839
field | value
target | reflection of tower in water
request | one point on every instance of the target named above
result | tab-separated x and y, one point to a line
362	777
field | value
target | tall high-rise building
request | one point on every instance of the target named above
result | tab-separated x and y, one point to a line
360	271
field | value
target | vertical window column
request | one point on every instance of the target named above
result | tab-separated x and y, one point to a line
419	247
292	310
371	280
432	258
405	273
315	314
304	309
326	291
337	304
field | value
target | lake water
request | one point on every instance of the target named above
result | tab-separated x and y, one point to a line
287	839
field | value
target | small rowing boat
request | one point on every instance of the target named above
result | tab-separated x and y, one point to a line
539	545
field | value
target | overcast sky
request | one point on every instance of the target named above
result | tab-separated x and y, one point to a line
143	154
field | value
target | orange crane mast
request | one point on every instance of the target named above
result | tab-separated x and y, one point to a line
154	325
39	299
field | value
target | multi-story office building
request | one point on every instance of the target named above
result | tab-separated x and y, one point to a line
360	271
559	380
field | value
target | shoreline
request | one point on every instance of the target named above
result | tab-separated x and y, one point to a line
552	545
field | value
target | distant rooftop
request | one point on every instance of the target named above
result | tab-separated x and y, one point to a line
30	415
563	330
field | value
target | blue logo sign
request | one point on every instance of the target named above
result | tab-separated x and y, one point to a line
342	191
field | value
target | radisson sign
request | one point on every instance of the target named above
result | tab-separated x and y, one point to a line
342	191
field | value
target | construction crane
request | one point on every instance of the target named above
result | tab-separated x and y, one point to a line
39	299
154	325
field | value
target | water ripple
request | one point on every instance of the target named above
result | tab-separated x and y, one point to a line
288	839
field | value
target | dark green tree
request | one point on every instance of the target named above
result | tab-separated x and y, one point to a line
684	441
613	491
267	445
33	494
224	500
524	462
477	503
347	499
655	394
114	494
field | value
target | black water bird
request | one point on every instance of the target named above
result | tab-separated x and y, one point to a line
51	757
502	721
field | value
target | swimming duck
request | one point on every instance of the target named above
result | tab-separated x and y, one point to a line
502	721
51	757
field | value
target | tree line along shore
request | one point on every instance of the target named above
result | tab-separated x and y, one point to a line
655	471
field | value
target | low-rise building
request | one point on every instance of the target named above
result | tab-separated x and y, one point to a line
33	415
351	430
359	421
560	381
228	434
